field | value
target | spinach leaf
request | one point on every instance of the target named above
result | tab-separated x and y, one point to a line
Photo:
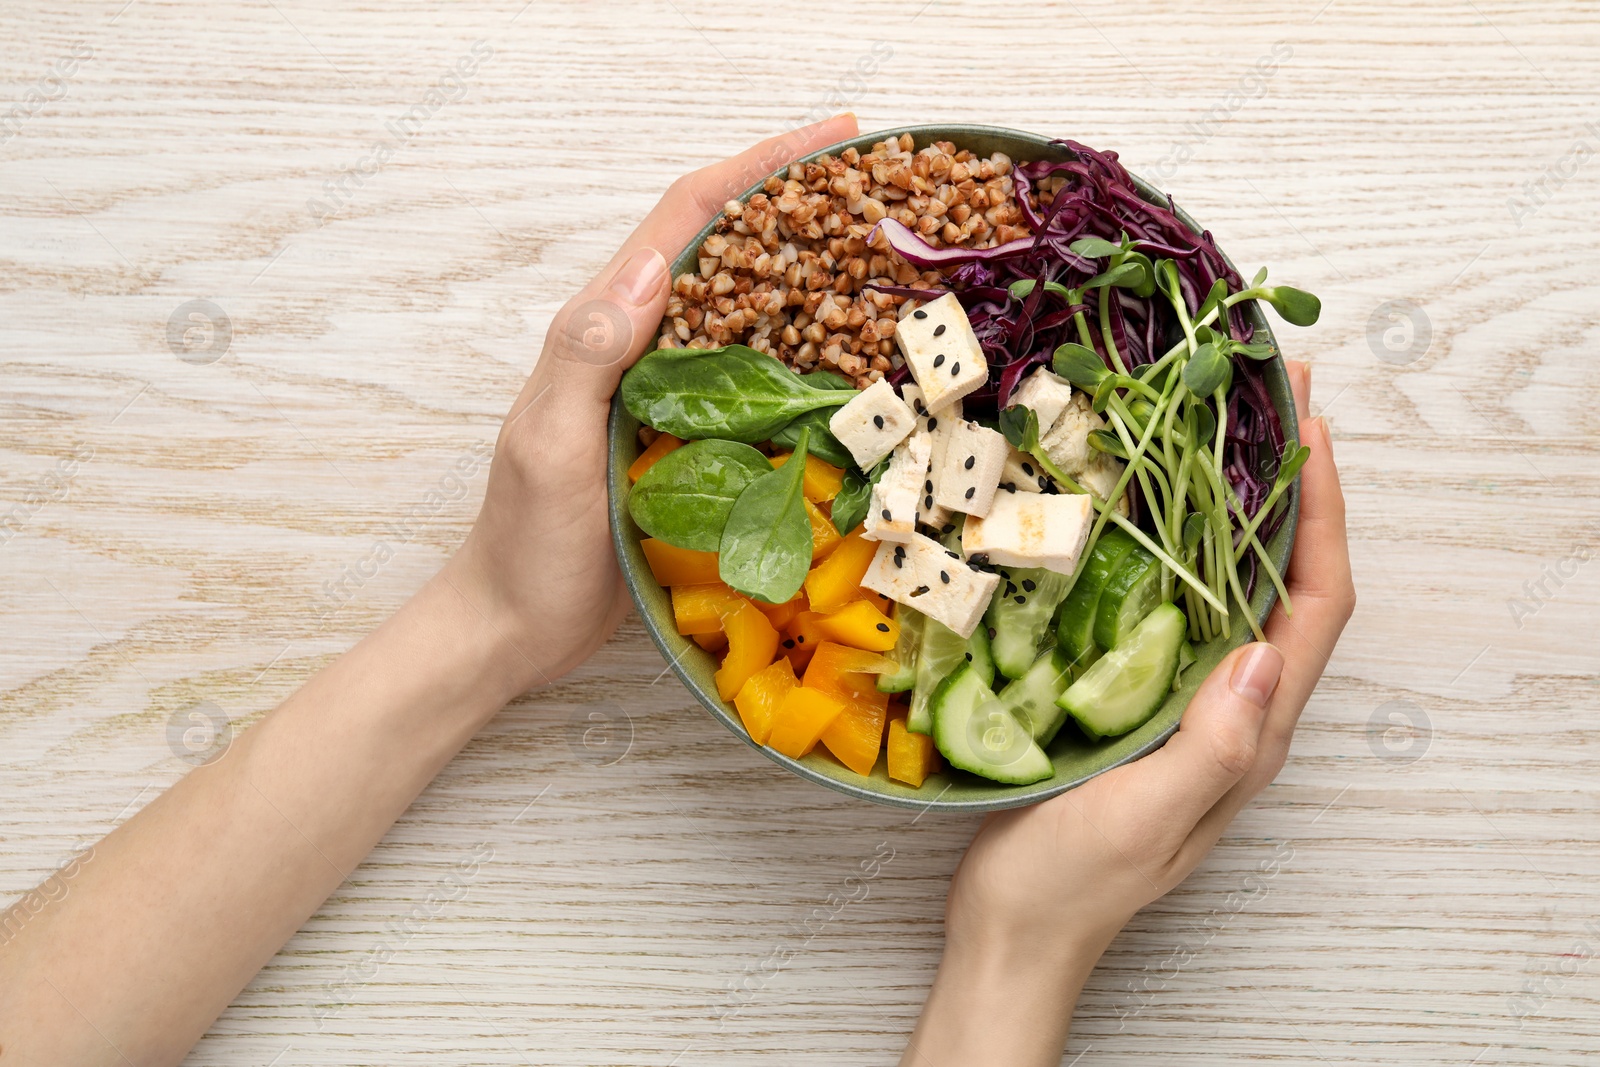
823	444
855	496
685	498
766	545
734	393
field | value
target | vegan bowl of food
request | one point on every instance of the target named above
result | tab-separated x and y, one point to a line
962	456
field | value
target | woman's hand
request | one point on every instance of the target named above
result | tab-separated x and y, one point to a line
538	564
1043	890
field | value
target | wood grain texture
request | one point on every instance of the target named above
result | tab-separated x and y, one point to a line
185	557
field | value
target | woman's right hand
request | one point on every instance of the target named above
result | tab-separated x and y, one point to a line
1043	890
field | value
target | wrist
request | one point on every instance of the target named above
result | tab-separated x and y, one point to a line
466	593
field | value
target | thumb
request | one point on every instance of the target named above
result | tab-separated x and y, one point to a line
602	330
1217	742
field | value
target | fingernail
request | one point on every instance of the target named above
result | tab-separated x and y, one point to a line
1326	432
639	280
1256	675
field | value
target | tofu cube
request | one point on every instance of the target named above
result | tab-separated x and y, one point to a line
1031	530
970	473
1046	394
1067	443
922	574
872	423
929	511
942	351
1100	475
892	511
1022	474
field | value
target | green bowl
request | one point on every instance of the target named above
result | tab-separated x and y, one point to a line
1076	759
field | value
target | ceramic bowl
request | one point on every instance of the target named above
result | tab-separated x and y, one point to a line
1076	759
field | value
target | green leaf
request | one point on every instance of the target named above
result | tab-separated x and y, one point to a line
1194	530
766	544
685	497
1255	350
735	393
855	496
1208	370
1298	307
1126	275
1202	423
1107	442
1261	276
1104	392
1020	426
1294	457
1094	248
1023	286
1219	290
1146	285
1081	366
1167	280
823	444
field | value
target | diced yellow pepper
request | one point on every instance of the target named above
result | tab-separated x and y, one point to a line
912	757
860	625
758	699
647	459
752	642
824	538
822	480
836	581
698	609
672	565
800	720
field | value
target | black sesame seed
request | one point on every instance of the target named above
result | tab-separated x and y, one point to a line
1029	584
1010	487
1044	483
919	590
922	409
955	369
899	561
938	361
938	331
1022	600
1011	587
877	420
944	576
948	527
919	314
885	514
992	632
970	461
970	490
900	550
800	638
883	627
933	424
928	485
951	554
789	643
969	657
1027	468
927	501
980	558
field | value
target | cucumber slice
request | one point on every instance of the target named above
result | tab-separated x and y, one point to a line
942	651
1075	634
1031	698
1129	683
1129	596
975	732
905	653
1020	615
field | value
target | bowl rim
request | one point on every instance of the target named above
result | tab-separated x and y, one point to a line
622	527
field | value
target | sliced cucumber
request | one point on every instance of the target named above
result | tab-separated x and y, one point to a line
974	731
1020	615
906	649
942	651
1075	634
1031	698
1129	683
1129	596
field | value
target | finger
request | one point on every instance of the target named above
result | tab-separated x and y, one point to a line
1216	745
1323	596
611	322
1300	386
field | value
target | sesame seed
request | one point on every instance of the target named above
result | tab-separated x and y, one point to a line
979	558
927	501
938	330
970	461
928	485
899	561
933	424
1044	483
955	369
886	516
992	633
1021	599
969	657
900	550
801	638
1027	468
944	576
951	554
788	643
883	627
1029	584
877	420
919	314
970	490
938	361
1010	487
948	527
919	590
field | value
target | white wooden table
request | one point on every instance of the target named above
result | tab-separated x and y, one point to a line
172	527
